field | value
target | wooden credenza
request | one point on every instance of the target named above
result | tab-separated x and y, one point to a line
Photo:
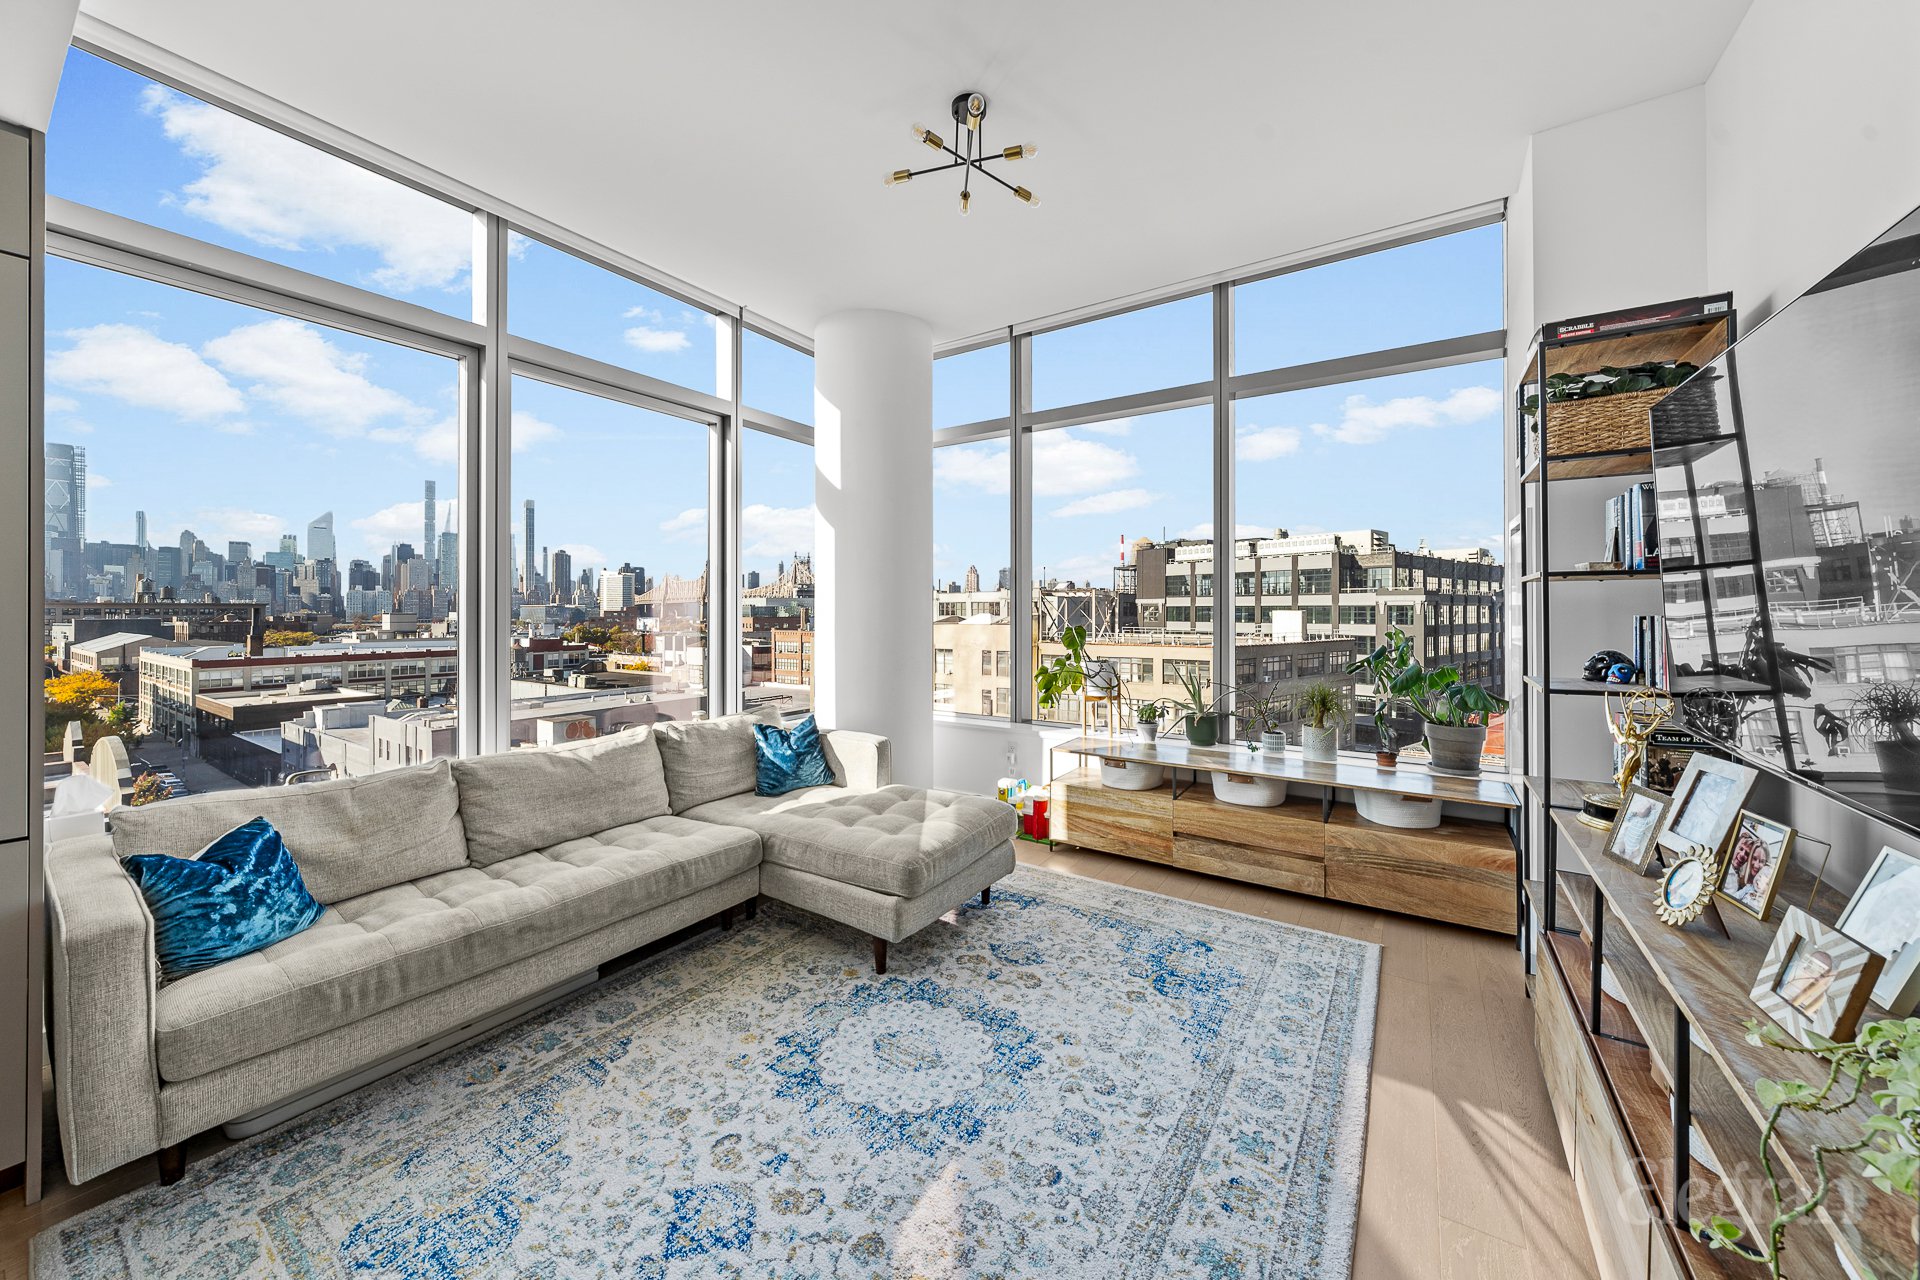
1316	844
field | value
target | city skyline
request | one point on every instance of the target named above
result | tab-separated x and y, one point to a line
268	420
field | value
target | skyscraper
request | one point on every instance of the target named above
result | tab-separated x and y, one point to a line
972	581
428	544
65	530
561	575
140	530
529	566
320	537
449	561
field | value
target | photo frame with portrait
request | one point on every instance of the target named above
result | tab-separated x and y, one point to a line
1756	862
1706	804
1815	980
1884	917
1636	828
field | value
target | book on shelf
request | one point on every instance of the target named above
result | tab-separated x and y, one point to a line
1632	531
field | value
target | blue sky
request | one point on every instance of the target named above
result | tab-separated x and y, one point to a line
241	425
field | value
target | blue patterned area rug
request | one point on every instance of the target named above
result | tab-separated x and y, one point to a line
1080	1080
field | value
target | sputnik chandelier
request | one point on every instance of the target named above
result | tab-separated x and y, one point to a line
969	111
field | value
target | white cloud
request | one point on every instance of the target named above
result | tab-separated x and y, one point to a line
1205	530
76	427
1084	569
656	341
585	556
1064	465
97	481
775	532
689	526
1113	427
981	469
1264	444
278	192
529	431
239	524
401	522
1364	422
1106	504
62	404
141	368
295	368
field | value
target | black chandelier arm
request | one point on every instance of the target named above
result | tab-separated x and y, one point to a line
996	177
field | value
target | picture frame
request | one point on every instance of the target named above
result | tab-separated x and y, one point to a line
1815	980
1884	917
1706	804
1757	858
1686	888
1636	827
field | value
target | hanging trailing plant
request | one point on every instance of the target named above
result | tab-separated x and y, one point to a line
1889	1142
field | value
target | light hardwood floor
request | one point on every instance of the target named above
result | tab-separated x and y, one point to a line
1464	1176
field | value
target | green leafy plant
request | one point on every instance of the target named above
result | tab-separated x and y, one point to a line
1889	1142
1193	703
1610	380
1440	696
1065	674
1264	710
1888	710
1323	707
1149	712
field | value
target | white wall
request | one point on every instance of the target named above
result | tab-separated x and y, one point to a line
1812	143
1801	147
873	491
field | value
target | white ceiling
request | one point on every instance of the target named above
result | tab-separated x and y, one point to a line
741	146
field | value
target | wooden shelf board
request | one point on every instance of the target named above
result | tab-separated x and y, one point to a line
1697	341
1645	1105
1711	976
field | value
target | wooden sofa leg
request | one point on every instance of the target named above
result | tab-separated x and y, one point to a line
173	1164
753	908
726	917
986	895
880	955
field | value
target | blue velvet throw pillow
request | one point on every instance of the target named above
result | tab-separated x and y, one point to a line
236	896
789	759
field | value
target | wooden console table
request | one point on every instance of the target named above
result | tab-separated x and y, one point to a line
1467	872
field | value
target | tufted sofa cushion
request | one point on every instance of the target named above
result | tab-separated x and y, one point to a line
395	944
897	840
707	760
512	802
348	837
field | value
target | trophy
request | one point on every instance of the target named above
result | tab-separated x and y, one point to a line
1632	720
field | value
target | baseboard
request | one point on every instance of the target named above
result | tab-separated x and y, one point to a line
287	1108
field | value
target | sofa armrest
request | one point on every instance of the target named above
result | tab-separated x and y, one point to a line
861	761
102	1017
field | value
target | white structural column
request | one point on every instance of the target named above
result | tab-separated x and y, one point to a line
873	542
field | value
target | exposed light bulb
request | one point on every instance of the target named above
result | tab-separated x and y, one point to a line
1032	200
1020	152
929	137
966	197
899	176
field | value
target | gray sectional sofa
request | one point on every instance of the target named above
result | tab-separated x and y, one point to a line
459	893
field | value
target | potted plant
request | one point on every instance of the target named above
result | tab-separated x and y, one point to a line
1146	720
1323	709
1887	1143
1387	669
1063	675
1203	725
1890	712
1266	713
1455	713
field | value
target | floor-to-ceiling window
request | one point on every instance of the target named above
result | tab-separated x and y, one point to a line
276	445
972	560
611	587
1354	402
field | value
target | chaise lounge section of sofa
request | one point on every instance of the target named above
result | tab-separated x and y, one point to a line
455	891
